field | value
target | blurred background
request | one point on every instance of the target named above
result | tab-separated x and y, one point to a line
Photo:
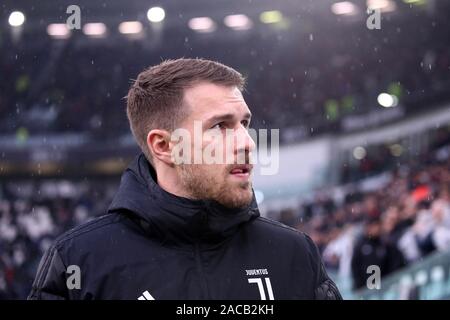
363	109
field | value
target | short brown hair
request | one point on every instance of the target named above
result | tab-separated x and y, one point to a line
155	99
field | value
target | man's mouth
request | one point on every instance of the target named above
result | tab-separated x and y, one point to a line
242	171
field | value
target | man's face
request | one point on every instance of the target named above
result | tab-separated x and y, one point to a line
219	111
373	229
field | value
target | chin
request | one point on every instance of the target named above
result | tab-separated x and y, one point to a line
240	198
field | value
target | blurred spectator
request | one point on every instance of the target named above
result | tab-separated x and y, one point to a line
32	215
372	249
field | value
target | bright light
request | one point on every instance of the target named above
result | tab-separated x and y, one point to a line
344	8
202	24
273	16
396	150
387	100
16	18
382	5
359	153
58	30
415	2
238	22
130	27
156	14
97	29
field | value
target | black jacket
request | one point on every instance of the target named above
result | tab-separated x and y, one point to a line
155	245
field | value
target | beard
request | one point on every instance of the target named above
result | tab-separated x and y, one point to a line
210	182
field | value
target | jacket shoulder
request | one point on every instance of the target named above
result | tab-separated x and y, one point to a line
292	240
71	248
305	250
90	230
276	228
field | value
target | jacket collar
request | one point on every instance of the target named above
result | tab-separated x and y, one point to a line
172	219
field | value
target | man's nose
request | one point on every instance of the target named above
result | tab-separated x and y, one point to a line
244	142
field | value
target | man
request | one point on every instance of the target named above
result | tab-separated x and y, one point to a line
182	229
374	249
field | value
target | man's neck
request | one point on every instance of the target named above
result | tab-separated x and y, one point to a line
169	181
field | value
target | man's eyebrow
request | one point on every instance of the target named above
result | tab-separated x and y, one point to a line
227	116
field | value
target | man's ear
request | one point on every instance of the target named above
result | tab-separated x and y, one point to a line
158	141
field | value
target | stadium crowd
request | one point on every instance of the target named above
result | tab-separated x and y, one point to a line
32	214
43	84
390	218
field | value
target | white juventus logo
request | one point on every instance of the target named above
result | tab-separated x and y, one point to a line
260	284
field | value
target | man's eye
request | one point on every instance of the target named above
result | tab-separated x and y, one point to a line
220	125
245	123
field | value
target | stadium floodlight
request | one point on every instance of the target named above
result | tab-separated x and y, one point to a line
58	30
396	149
359	153
415	2
346	8
130	27
382	5
273	16
16	19
95	29
202	24
387	100
238	22
156	14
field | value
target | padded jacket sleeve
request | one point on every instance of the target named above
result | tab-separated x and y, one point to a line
50	281
325	288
